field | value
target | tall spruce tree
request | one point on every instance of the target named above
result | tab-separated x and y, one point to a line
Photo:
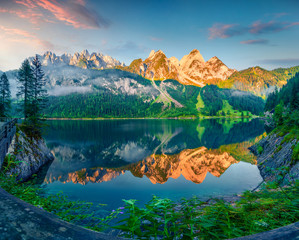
4	96
33	95
294	101
39	93
25	93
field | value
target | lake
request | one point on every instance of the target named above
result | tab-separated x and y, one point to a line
106	161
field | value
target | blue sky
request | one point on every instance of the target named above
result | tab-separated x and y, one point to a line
241	33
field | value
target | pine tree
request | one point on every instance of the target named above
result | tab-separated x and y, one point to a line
294	101
25	79
39	93
4	96
278	114
33	95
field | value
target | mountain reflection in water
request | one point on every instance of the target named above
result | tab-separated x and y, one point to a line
100	151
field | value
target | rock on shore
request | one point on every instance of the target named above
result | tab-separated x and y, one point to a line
30	155
274	158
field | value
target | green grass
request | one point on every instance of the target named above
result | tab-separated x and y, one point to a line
260	149
255	212
228	110
295	155
227	107
200	103
278	149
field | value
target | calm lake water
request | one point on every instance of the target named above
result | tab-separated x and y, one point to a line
110	160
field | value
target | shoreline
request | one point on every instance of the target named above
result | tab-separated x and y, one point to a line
157	118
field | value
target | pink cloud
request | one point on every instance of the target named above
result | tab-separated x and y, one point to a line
16	31
156	39
71	12
61	14
219	30
26	3
255	41
293	24
22	36
33	16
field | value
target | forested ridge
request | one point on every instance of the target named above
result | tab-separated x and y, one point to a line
259	80
284	104
214	98
107	104
288	95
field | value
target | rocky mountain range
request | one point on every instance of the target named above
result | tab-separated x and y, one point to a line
192	69
134	87
82	60
82	68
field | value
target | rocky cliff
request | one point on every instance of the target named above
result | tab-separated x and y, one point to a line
30	155
83	60
275	160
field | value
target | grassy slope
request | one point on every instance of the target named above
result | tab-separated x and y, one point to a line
257	79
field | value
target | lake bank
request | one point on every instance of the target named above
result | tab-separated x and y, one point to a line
170	118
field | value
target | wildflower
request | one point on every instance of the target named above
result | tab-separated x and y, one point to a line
121	212
121	208
113	210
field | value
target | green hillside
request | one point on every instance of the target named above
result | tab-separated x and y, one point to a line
224	102
258	80
172	100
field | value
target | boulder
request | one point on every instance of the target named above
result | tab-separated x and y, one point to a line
30	155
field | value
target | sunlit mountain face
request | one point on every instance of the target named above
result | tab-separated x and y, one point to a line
157	150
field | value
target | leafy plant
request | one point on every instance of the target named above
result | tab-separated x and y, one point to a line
260	149
255	212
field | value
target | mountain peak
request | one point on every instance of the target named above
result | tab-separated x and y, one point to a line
85	53
154	54
194	51
192	60
195	54
214	59
151	53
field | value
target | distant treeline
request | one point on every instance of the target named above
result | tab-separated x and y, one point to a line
243	101
106	104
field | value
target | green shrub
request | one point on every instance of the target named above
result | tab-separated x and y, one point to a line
295	155
255	212
260	149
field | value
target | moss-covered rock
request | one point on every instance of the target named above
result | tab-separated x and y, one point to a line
276	161
29	155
